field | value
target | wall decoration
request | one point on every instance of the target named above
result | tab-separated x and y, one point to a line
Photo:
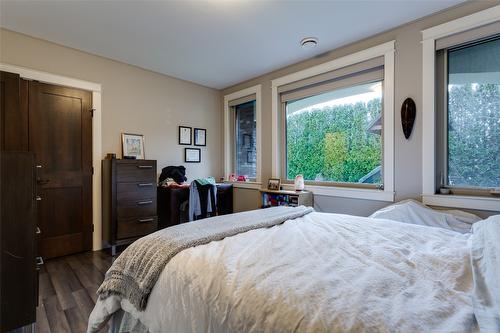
133	146
408	113
200	137
185	135
273	184
192	155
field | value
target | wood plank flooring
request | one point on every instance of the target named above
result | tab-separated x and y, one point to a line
68	288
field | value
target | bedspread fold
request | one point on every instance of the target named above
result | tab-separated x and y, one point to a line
135	272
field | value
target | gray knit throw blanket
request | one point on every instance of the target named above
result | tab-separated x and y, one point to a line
135	272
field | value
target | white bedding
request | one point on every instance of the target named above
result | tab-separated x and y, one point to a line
414	212
319	273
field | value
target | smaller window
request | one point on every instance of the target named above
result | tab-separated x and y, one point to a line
245	144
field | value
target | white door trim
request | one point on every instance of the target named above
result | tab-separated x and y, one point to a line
95	88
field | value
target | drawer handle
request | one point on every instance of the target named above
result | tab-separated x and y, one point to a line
145	220
39	261
145	166
144	184
145	202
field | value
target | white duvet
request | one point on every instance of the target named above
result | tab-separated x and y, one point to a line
319	273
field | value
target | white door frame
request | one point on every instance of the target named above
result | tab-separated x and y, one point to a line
95	88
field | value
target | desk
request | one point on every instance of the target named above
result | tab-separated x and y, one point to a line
171	199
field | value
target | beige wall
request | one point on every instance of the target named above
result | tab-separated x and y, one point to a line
133	100
408	83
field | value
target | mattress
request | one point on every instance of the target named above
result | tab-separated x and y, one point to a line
318	273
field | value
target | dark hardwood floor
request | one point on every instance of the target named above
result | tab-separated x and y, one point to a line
68	288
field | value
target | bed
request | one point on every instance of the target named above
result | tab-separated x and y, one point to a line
325	272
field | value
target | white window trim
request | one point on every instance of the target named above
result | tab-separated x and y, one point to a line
248	185
229	137
387	51
95	88
429	37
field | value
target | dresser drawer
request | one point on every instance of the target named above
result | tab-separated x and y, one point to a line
126	192
141	207
136	227
136	171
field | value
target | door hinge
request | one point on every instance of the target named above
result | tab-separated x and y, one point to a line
92	112
92	169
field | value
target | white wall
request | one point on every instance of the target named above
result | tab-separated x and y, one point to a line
408	83
133	100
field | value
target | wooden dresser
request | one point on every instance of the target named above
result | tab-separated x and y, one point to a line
128	200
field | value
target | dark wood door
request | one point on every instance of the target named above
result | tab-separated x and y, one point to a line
17	269
14	112
60	135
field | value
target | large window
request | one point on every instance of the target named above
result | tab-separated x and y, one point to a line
246	137
471	115
333	129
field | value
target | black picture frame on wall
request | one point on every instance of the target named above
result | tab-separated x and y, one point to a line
200	137
192	155
184	135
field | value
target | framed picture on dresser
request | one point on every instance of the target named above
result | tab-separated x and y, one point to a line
133	146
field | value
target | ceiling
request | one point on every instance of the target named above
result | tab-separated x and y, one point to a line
214	43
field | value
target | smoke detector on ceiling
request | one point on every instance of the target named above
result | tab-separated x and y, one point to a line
309	42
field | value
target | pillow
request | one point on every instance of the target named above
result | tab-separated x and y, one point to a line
414	212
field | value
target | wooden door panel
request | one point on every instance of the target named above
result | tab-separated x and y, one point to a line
60	128
14	113
64	126
60	213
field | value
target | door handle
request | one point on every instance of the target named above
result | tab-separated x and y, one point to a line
147	202
38	231
39	261
38	198
42	181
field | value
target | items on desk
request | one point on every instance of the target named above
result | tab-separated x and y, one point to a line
177	173
202	198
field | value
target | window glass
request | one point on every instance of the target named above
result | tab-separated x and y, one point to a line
474	115
336	136
245	143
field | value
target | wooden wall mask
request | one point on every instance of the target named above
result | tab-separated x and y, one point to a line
408	113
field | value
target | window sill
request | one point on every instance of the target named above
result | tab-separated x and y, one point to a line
248	185
461	201
346	192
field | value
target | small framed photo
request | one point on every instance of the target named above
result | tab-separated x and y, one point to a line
200	137
274	184
133	146
185	135
192	155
